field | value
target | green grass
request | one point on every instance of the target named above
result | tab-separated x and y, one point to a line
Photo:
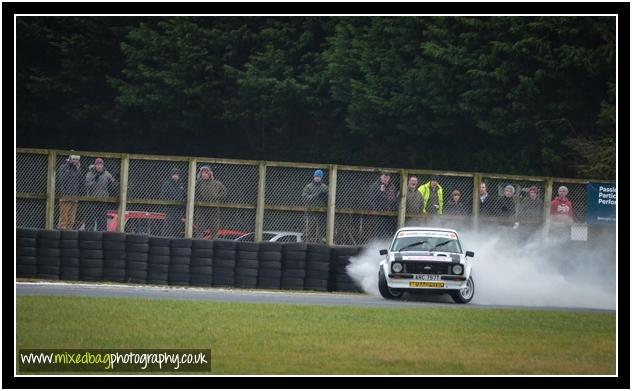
307	339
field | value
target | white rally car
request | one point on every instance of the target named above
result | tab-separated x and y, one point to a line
428	259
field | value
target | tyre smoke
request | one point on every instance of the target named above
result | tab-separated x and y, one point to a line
534	272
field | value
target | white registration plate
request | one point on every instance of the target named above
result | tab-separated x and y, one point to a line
427	277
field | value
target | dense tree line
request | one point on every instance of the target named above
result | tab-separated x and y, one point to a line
523	95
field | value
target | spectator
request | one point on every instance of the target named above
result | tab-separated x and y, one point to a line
531	208
561	207
455	206
208	189
530	212
485	206
382	193
69	180
506	207
414	201
99	183
432	196
315	195
173	189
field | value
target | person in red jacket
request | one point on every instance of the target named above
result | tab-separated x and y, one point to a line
561	207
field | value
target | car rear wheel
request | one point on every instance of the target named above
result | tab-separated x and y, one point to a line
385	291
465	295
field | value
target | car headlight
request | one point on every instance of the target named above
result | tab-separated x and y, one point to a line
457	269
397	267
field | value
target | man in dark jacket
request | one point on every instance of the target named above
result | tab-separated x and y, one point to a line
382	194
69	180
173	189
99	183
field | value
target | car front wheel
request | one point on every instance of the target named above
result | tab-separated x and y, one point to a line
385	291
464	295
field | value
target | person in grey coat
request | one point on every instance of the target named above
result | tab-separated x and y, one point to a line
99	183
315	194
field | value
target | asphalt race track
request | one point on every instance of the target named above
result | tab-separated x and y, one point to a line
252	296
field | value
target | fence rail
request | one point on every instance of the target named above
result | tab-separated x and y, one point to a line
177	196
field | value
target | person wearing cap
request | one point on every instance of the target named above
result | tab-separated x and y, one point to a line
69	181
432	195
208	189
314	194
562	207
99	183
173	189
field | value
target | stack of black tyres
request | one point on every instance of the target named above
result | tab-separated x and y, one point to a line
317	270
224	261
137	257
26	250
180	262
201	263
69	245
294	262
247	265
158	262
90	256
339	260
270	256
48	254
114	256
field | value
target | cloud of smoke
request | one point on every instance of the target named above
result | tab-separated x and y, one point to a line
534	272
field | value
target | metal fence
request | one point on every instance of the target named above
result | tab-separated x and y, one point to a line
177	196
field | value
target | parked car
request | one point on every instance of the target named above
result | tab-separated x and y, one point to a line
426	259
274	236
149	223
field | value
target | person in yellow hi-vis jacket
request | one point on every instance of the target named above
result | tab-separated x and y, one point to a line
432	196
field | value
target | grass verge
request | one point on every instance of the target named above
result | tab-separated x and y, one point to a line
309	339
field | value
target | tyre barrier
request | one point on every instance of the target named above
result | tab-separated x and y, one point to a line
293	265
69	245
158	260
90	256
269	256
247	265
317	269
179	262
48	254
114	256
123	257
26	253
201	271
339	279
224	261
136	258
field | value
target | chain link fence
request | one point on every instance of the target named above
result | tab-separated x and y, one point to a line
30	182
295	204
295	199
226	198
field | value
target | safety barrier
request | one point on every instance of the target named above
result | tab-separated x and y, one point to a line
133	258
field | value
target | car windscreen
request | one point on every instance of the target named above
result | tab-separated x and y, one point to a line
426	243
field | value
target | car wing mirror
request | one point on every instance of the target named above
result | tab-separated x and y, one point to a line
469	254
383	252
